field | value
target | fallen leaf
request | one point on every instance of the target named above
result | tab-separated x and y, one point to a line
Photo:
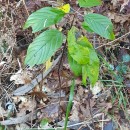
22	126
48	64
114	2
40	96
21	77
118	18
24	104
2	63
51	111
96	88
65	8
75	112
2	111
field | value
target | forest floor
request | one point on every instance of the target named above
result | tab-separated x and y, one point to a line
104	107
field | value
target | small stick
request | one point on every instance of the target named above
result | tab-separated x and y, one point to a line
109	43
25	7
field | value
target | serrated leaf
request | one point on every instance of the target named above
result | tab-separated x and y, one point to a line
93	67
71	36
100	25
79	53
43	18
84	42
43	47
86	27
80	63
89	3
74	66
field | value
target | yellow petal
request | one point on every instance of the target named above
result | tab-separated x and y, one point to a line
65	8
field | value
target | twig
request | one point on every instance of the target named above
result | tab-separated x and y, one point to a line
83	123
6	14
102	121
59	78
18	120
109	43
25	7
28	87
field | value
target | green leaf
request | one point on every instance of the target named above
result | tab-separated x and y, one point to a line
43	18
92	68
79	53
86	27
1	127
89	3
83	41
100	25
84	75
43	47
70	103
44	123
71	38
74	66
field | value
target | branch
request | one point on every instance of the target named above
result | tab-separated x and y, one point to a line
109	43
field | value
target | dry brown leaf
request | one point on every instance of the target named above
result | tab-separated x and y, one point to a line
21	77
85	112
2	63
51	111
17	99
75	112
124	127
22	126
2	112
106	106
26	104
20	119
118	18
81	91
114	2
40	97
96	88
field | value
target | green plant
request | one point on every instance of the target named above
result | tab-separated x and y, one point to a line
116	82
1	127
82	57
